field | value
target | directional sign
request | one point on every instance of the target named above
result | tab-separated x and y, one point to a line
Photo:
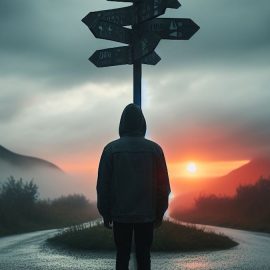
170	3
173	28
142	11
112	57
149	9
130	1
173	4
121	16
110	31
151	59
145	45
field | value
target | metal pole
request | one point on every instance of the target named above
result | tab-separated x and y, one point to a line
137	83
137	68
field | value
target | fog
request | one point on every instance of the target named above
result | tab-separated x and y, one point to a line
51	183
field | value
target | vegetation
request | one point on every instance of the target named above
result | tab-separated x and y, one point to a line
21	210
249	209
169	237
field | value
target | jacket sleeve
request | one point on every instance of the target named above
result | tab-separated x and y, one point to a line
163	185
104	184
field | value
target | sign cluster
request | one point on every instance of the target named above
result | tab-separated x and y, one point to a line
144	35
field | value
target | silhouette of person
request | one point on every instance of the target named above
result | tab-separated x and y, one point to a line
132	189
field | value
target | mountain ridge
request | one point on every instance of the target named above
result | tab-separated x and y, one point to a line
20	160
186	191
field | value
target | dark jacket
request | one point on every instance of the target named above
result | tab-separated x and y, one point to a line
133	183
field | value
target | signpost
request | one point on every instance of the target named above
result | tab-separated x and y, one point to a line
142	38
111	31
151	59
112	57
120	16
175	29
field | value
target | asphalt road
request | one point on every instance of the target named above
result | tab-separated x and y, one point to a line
30	252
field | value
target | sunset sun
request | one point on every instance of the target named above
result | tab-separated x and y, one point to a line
191	168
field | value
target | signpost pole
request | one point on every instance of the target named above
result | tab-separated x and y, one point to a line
137	68
137	83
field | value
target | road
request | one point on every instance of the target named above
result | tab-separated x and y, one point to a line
30	252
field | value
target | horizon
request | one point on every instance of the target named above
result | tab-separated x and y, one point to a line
183	180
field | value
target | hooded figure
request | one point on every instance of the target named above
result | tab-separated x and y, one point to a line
132	188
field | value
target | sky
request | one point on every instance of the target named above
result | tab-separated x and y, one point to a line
206	101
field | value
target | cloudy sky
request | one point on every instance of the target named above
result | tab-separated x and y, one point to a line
207	100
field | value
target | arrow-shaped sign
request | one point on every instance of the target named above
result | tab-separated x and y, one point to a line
170	3
120	16
111	31
172	28
120	56
112	57
145	45
173	4
151	59
150	9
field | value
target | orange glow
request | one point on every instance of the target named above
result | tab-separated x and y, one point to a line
203	169
81	164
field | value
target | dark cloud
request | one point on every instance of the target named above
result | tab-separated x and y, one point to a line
13	100
46	39
9	108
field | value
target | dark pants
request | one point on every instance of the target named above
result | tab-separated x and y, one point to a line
143	233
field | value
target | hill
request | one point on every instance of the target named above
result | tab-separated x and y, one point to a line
186	191
245	175
51	179
23	161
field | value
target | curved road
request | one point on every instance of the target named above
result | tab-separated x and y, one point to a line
30	252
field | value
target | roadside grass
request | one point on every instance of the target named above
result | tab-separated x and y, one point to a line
169	237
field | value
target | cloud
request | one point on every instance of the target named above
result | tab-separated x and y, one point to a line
13	99
216	115
65	121
46	40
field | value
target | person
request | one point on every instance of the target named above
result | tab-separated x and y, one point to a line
132	189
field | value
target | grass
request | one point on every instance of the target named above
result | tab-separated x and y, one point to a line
170	237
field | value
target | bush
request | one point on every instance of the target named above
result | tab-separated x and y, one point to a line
21	209
17	201
248	209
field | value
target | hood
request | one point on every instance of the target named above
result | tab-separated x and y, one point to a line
132	122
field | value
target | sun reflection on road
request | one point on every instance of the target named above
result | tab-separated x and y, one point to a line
196	265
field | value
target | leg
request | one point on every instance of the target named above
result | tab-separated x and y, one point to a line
122	237
143	241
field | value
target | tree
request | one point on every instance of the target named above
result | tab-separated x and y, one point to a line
17	199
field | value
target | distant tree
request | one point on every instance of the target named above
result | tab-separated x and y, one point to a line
73	208
249	208
22	210
254	200
71	201
16	192
17	199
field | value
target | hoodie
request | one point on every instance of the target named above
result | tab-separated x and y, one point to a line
132	122
133	184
